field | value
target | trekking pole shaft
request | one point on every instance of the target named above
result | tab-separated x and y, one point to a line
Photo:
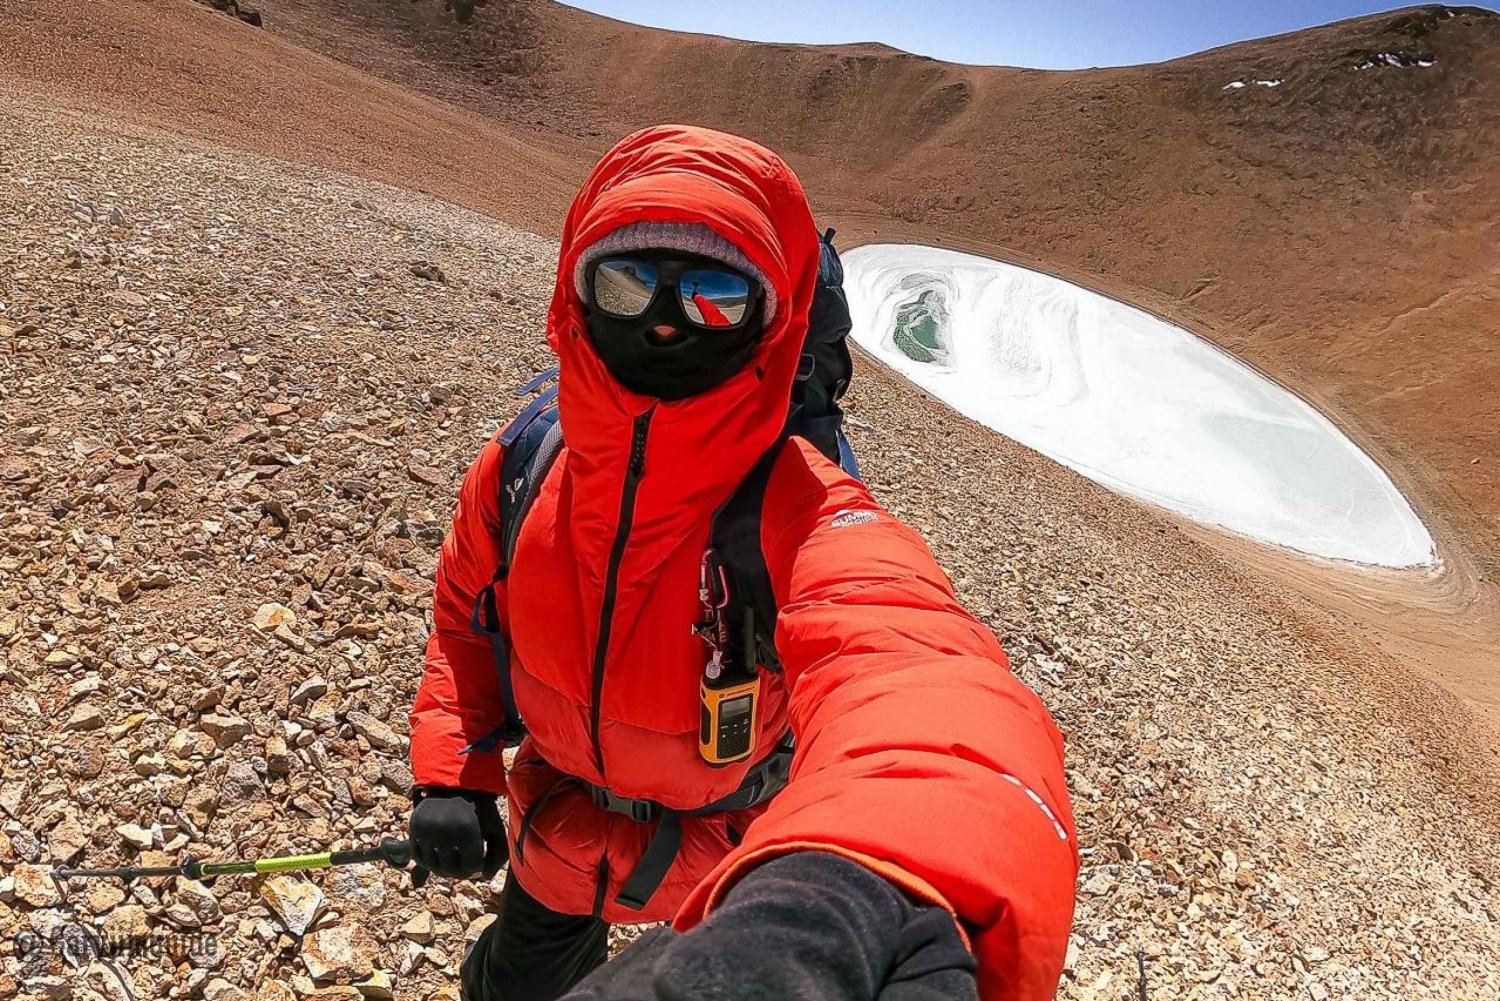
394	853
122	873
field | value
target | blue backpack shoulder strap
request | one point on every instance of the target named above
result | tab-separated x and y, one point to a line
532	442
847	461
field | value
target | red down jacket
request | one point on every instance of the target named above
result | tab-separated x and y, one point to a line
918	754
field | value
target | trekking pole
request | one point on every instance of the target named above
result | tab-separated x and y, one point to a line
396	854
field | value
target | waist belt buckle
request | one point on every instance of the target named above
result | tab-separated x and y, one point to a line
639	810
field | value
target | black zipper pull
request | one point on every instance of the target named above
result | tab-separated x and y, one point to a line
638	445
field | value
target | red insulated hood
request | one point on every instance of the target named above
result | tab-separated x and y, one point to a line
698	449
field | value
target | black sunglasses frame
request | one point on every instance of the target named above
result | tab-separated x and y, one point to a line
669	272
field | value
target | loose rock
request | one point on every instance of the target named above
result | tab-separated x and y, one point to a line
296	902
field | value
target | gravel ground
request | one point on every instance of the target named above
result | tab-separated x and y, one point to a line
236	399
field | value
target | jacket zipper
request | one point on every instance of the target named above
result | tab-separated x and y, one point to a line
633	474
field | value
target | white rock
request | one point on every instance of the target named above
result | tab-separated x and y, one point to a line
200	899
296	902
136	836
225	730
85	717
311	690
271	615
419	928
67	838
338	952
126	922
34	885
377	986
377	732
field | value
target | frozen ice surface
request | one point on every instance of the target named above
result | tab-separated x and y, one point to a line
1128	400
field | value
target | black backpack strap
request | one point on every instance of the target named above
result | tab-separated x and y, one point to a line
847	461
532	443
761	782
735	537
826	366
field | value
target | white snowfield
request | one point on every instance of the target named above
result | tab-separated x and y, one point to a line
1128	400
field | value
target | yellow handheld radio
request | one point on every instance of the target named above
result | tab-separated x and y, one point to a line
729	693
727	724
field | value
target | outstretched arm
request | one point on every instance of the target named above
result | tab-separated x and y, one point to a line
805	927
919	755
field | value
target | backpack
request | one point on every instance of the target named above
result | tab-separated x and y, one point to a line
533	440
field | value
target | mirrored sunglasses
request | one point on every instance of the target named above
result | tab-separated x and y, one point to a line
715	298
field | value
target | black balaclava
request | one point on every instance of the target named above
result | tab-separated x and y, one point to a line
691	361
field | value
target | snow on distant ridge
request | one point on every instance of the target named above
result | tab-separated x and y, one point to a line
1129	400
1240	84
1392	59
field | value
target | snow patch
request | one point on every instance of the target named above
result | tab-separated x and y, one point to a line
1392	59
1128	400
1233	85
1268	83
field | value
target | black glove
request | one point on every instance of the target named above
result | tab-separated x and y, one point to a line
803	927
457	832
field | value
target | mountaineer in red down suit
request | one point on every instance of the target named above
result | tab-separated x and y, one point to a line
926	780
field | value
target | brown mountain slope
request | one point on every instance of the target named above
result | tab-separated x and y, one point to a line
192	71
1338	230
222	386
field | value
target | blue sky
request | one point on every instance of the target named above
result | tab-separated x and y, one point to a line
1057	35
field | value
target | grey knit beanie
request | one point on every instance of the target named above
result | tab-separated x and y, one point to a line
689	238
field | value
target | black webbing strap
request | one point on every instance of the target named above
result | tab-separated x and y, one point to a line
761	782
529	819
485	620
735	536
648	873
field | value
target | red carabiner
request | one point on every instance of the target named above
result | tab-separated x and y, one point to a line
713	595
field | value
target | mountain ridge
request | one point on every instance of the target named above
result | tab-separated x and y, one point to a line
1340	186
